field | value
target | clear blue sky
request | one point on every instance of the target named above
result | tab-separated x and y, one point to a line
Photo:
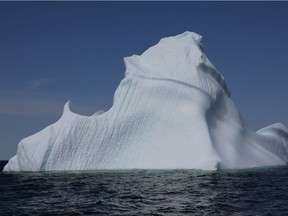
52	52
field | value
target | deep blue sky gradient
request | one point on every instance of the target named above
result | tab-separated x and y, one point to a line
52	52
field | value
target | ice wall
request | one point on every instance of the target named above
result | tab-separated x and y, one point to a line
171	111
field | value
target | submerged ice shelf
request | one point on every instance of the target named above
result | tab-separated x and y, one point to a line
171	111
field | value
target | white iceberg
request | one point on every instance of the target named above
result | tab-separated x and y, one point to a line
171	111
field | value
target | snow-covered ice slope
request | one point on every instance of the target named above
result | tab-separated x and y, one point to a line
172	110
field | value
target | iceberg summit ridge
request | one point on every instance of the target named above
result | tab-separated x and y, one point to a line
178	58
172	110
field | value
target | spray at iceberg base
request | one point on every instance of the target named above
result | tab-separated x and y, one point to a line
171	111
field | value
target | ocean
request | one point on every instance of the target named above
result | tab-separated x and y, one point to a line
261	191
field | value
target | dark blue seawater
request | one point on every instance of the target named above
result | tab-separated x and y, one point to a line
146	192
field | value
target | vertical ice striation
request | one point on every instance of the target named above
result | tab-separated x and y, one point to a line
172	110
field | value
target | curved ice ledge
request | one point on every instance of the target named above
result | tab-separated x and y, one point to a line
171	111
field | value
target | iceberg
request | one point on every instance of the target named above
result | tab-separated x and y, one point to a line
172	110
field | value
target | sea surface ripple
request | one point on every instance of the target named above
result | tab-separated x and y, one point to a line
146	192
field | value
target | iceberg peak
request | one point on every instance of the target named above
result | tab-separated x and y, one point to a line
179	58
190	37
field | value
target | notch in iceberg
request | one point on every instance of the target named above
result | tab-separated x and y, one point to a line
171	111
